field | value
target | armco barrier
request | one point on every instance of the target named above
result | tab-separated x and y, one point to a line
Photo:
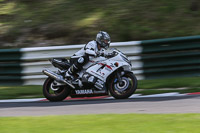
151	59
172	57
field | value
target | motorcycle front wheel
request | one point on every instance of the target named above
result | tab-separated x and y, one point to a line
125	89
54	93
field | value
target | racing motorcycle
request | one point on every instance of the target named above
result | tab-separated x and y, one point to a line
103	75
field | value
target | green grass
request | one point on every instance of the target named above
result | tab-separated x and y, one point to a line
105	123
156	86
170	83
17	92
190	84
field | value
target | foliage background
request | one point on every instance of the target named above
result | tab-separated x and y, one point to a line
30	23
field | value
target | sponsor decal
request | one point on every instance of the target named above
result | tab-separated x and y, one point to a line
109	67
97	74
97	92
112	65
101	64
84	91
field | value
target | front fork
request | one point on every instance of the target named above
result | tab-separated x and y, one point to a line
119	77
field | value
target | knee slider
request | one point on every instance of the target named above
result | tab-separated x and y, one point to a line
81	60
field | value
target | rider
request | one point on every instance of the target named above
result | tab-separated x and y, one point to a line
91	50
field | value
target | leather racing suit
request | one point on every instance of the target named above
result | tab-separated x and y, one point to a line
80	58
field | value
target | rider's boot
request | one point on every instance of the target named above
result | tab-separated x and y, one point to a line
71	72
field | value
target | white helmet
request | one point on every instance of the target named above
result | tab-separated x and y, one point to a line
103	39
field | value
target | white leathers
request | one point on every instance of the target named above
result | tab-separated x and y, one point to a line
91	49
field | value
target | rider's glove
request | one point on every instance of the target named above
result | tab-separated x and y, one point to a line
109	55
100	53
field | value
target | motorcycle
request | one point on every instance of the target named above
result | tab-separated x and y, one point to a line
103	75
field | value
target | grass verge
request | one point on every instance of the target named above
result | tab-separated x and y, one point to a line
104	123
145	87
17	92
192	82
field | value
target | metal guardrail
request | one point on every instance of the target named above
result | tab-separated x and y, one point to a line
27	66
151	59
171	57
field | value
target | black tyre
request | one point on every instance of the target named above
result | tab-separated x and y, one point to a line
53	93
124	90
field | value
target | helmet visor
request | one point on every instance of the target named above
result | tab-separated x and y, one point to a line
106	41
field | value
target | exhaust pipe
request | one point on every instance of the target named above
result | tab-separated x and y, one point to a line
57	77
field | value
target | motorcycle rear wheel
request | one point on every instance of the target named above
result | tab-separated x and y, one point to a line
125	90
54	94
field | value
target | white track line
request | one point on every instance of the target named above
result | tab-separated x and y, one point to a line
21	100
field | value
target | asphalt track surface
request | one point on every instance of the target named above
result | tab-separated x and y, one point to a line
151	105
